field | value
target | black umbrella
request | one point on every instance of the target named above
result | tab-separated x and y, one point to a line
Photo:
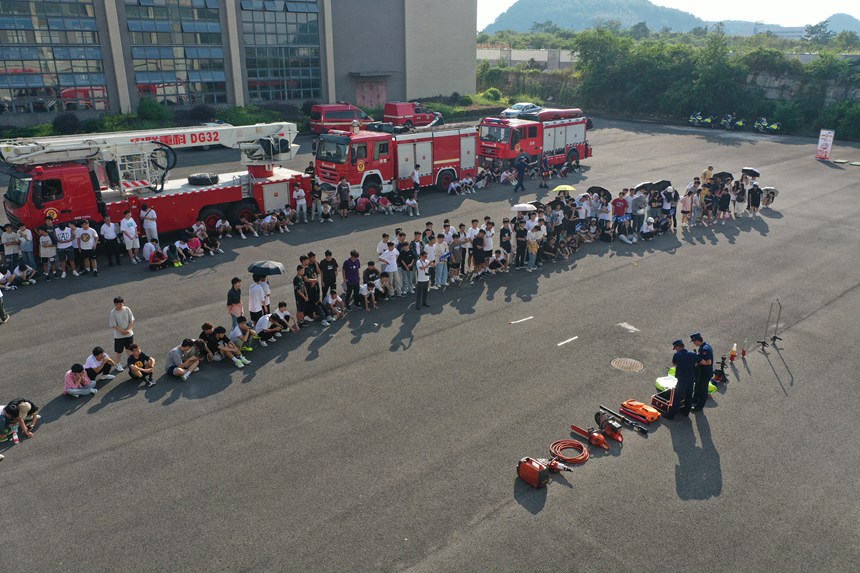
661	185
751	171
537	204
602	192
644	186
724	176
267	268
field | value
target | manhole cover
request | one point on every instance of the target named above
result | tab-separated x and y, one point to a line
628	364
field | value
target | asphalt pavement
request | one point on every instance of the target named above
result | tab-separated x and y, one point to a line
389	441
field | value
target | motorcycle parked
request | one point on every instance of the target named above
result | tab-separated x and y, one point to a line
696	119
730	122
763	126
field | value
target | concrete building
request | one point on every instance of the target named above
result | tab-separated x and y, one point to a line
97	56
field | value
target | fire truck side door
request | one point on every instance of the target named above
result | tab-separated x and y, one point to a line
516	136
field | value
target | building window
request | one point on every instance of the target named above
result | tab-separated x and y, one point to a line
50	59
177	51
282	50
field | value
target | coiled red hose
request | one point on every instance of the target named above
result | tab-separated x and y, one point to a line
557	449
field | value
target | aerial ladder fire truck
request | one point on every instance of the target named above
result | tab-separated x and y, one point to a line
90	176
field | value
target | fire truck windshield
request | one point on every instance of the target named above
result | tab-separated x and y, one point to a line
17	191
332	149
495	134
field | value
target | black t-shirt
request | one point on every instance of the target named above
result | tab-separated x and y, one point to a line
234	296
211	341
329	269
140	361
405	258
478	243
300	288
505	236
370	275
521	234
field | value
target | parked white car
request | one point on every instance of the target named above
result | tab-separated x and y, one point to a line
518	108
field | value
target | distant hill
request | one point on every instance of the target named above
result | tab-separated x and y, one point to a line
584	14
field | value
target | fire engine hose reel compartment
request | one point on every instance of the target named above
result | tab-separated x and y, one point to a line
203	179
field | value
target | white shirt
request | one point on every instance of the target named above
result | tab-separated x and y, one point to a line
647	227
236	333
93	362
263	323
147	251
471	233
87	239
299	196
390	258
222	223
65	237
268	290
17	272
488	239
531	224
181	245
441	249
108	231
129	228
416	177
149	219
423	266
256	297
285	315
381	247
198	228
329	300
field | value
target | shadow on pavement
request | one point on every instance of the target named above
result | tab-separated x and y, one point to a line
698	474
530	498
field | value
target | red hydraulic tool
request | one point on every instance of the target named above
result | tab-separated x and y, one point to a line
595	438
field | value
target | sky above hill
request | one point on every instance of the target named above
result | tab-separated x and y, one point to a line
786	14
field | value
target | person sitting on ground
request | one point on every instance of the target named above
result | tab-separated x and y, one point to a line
268	224
507	177
245	226
198	229
99	364
283	317
223	228
211	245
242	335
482	179
367	292
78	383
334	305
385	205
563	249
382	287
180	362
195	246
498	263
647	231
626	233
663	225
227	349
467	185
454	188
267	329
23	274
183	250
156	258
412	207
140	366
550	249
290	215
19	414
593	232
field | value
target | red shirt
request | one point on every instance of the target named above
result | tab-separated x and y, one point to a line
619	206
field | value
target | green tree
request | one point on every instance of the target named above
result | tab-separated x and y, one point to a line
819	34
640	31
847	41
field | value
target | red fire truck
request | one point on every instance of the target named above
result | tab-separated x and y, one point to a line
90	176
377	162
561	140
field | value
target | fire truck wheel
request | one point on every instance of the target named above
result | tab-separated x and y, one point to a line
572	156
239	210
371	189
444	180
210	216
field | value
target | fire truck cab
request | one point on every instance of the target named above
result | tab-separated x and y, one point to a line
560	140
375	162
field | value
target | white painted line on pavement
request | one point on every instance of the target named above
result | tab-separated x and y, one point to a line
521	320
628	327
566	341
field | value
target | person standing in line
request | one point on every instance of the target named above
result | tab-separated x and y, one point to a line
388	258
11	245
342	193
256	298
316	202
405	266
234	301
149	218
423	265
87	239
128	226
521	235
416	181
47	253
352	279
65	236
704	371
77	382
442	256
301	203
329	268
109	235
25	241
300	290
122	322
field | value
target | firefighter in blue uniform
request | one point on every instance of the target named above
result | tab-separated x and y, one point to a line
704	371
685	371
